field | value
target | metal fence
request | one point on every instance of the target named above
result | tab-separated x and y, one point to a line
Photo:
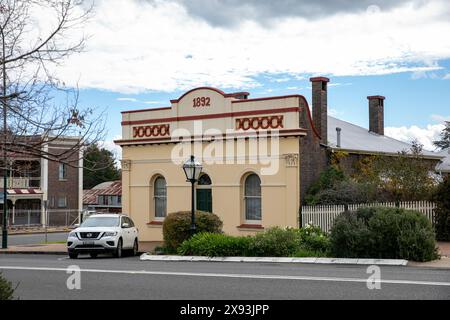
324	215
25	217
54	218
62	218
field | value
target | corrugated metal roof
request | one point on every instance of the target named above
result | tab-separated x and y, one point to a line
357	138
115	189
110	188
90	196
103	185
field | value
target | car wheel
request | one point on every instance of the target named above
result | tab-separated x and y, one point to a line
93	255
135	247
73	255
118	252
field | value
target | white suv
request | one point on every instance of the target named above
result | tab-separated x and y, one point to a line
101	233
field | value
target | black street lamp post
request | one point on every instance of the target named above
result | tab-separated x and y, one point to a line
4	98
192	169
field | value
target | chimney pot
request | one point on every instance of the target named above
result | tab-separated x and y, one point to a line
319	105
338	137
376	114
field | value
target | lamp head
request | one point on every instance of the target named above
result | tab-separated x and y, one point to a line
192	169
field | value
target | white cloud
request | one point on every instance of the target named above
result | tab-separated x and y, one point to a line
294	88
279	80
425	136
153	102
439	118
127	99
339	84
158	45
139	101
447	76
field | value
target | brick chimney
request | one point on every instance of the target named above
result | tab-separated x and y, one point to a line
376	114
319	105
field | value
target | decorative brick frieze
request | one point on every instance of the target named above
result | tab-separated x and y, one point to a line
157	130
255	123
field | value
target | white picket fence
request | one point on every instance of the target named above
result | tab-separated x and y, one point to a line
324	215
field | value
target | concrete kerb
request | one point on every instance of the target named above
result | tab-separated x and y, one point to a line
312	260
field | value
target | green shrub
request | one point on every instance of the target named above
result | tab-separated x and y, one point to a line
307	253
348	191
327	180
379	232
215	244
442	212
312	238
177	227
275	242
6	290
350	237
402	234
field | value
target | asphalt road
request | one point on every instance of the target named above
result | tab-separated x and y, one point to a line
45	277
21	239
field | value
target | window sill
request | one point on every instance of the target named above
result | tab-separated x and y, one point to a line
155	223
250	227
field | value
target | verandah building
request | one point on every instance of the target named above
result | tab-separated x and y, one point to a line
259	156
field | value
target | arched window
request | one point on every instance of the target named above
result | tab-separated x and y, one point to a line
204	180
160	196
252	198
204	193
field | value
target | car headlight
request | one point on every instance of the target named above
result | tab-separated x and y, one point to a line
110	234
72	235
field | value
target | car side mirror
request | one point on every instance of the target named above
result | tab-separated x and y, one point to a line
76	225
125	225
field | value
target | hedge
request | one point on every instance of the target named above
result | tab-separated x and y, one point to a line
177	227
379	232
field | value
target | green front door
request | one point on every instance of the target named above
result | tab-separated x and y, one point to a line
204	200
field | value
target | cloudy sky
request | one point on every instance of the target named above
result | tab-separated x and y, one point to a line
142	53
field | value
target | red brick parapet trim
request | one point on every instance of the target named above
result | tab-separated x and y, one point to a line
236	135
213	116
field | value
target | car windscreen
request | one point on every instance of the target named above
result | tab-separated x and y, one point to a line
101	222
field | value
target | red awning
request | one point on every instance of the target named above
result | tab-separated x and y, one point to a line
23	191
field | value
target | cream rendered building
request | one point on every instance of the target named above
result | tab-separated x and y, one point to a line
249	149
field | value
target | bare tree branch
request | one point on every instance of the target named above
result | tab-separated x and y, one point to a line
42	110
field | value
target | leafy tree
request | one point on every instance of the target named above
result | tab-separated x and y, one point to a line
406	176
444	141
349	191
402	177
36	37
99	166
328	179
